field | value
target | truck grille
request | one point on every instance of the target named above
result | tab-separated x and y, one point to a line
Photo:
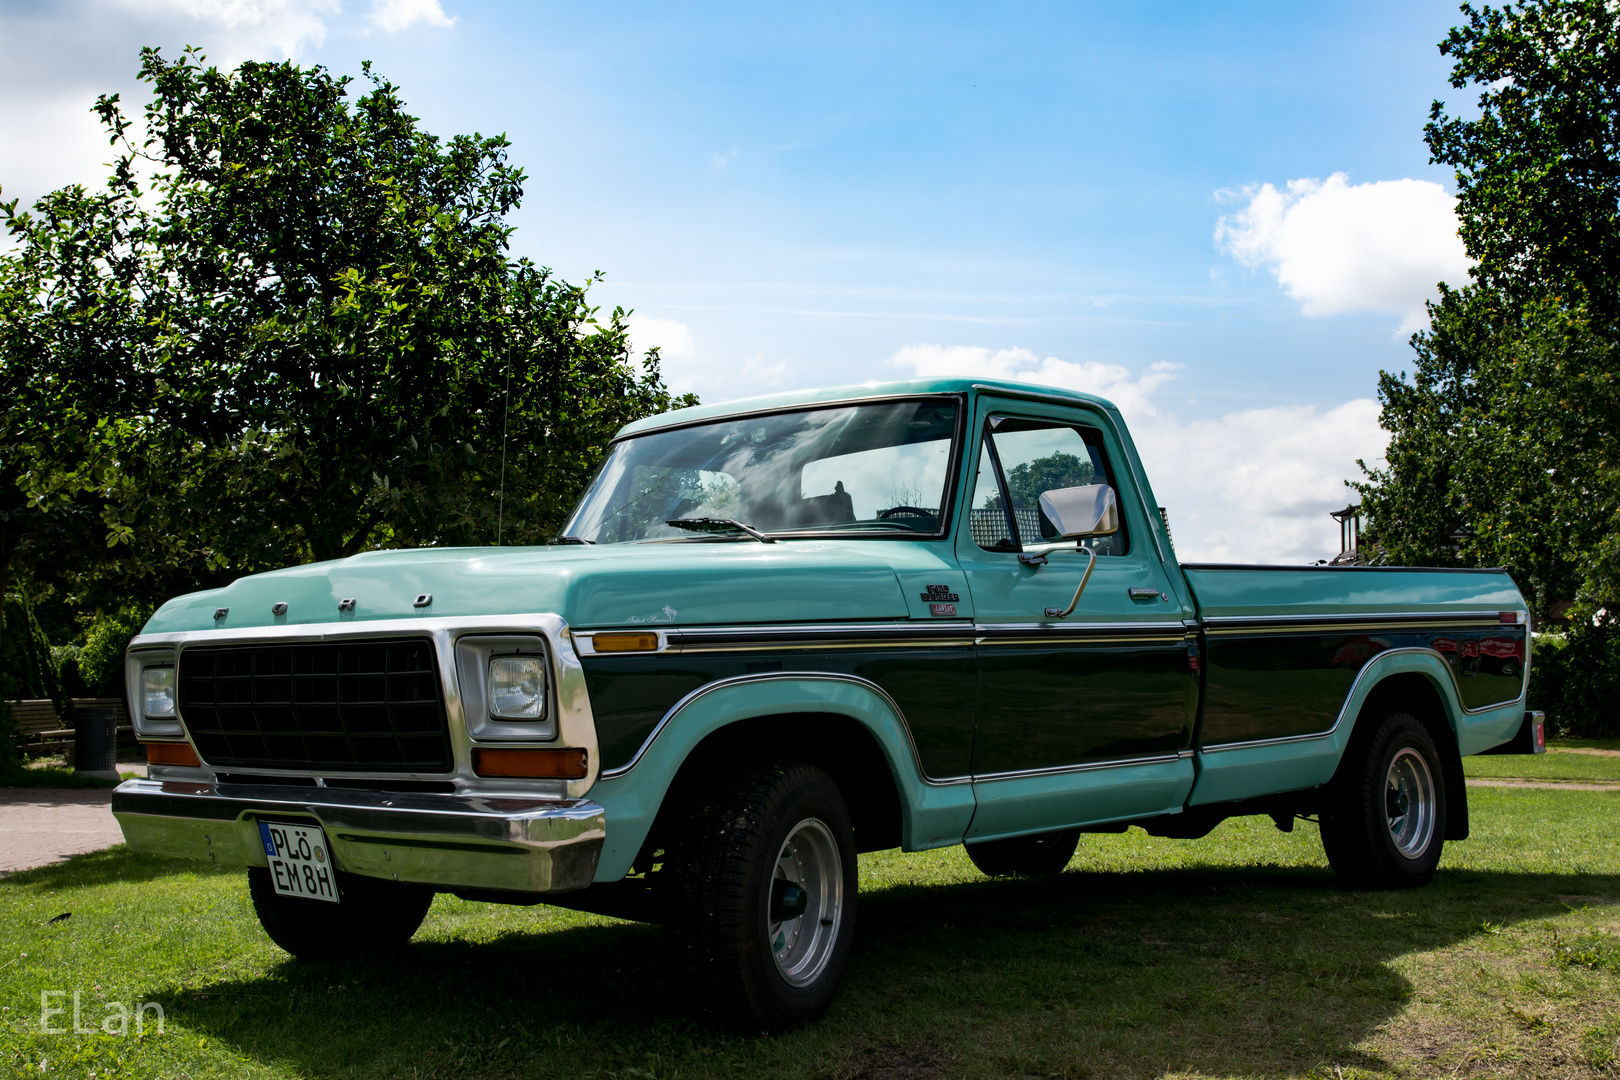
346	707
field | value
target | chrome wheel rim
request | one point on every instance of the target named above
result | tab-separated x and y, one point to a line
801	942
1409	803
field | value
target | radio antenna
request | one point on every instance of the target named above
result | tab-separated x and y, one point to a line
506	413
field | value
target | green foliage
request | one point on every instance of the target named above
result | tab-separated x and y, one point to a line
1575	678
1027	480
1503	433
302	337
26	670
101	659
1538	170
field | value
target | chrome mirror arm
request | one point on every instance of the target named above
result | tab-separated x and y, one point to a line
1054	613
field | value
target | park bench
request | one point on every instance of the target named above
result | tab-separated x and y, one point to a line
41	731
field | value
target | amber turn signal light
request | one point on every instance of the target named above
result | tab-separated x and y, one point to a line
568	764
625	643
171	753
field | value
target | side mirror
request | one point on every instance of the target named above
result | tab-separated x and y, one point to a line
1075	513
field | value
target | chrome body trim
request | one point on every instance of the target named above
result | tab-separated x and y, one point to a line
448	841
784	676
1356	685
1088	766
569	704
1394	620
1153	522
818	636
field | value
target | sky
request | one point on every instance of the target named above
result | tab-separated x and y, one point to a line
1220	216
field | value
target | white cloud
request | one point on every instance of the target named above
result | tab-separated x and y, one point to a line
1250	486
392	16
284	25
672	339
1130	392
1338	247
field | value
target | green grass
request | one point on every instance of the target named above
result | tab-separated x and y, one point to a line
1556	764
52	771
1237	955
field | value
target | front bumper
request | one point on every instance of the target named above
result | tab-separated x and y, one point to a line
449	841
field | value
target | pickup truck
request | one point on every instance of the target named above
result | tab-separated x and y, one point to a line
777	633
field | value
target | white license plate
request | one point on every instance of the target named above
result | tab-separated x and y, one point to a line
300	861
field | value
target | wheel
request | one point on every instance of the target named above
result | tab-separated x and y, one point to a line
371	915
1385	820
1026	856
766	907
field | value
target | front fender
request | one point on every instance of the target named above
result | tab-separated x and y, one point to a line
1245	770
933	814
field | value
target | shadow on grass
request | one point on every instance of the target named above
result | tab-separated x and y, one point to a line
1256	971
108	866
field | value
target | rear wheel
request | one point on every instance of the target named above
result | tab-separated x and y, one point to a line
766	915
1026	856
371	915
1385	822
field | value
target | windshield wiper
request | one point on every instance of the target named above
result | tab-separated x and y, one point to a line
568	540
708	524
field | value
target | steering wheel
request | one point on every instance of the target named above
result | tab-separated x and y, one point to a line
909	511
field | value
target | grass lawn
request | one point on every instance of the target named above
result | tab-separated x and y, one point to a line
1565	759
1237	955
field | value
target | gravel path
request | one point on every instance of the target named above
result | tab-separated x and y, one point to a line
1551	785
45	825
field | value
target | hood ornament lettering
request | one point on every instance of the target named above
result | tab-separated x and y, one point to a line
346	604
279	607
423	600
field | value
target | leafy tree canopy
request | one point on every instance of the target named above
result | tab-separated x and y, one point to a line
289	328
1538	170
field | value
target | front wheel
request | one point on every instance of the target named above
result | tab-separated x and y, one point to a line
767	908
1385	822
371	915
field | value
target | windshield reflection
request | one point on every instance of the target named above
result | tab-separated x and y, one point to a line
858	469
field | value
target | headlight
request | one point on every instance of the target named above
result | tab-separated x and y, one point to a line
517	688
152	690
157	693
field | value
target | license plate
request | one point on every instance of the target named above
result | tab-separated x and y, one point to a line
300	861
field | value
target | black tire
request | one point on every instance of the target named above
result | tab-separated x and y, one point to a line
737	872
1041	855
371	916
1384	824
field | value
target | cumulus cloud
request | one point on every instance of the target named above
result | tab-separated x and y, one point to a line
1338	247
392	16
1250	486
672	339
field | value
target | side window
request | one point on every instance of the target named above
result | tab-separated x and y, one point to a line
1021	458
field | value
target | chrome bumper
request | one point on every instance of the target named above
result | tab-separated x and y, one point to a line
449	841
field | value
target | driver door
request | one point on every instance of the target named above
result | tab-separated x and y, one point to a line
1083	718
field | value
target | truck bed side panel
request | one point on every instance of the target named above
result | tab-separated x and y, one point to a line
1284	645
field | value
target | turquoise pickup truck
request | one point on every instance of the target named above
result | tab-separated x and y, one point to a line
778	633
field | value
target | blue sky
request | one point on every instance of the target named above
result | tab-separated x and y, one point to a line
802	195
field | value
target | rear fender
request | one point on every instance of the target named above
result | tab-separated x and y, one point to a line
933	813
1246	770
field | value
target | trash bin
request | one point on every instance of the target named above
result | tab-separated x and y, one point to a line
95	741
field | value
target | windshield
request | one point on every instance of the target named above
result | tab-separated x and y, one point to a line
860	469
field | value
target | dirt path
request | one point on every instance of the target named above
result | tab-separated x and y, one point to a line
1551	785
1593	750
45	825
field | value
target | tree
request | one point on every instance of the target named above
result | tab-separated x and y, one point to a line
1502	442
1538	171
289	328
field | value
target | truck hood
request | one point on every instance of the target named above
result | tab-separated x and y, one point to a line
660	584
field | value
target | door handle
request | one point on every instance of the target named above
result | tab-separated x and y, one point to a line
1054	613
1141	593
